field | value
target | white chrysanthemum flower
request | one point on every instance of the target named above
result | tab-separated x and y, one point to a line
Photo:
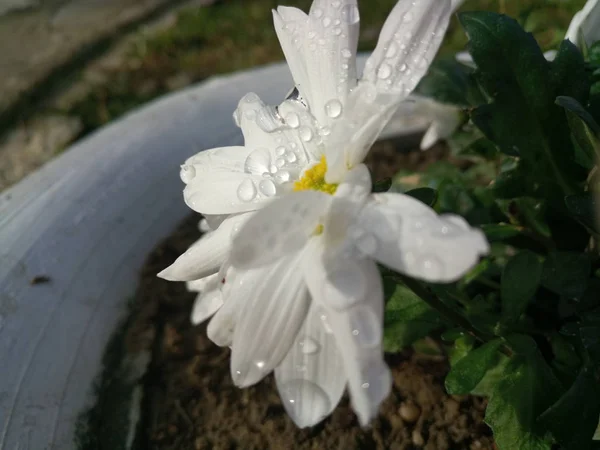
330	109
313	311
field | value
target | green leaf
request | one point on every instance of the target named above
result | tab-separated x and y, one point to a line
406	319
461	348
584	130
522	87
584	209
566	273
448	81
500	231
382	185
520	280
573	419
466	374
424	194
526	388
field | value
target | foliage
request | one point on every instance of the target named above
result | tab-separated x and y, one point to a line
523	327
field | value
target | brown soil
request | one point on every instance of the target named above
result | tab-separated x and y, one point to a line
191	402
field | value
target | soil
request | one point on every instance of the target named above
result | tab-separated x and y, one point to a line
191	403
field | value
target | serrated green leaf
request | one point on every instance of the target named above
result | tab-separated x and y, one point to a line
526	389
466	374
584	209
520	280
406	319
424	195
522	117
566	273
574	431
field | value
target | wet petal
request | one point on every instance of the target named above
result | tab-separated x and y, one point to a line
353	311
202	284
206	305
408	236
321	52
409	40
222	159
311	378
206	255
283	227
268	321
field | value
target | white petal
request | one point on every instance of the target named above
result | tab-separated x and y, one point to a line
206	305
408	236
268	321
408	42
321	53
586	21
355	316
357	184
446	119
222	159
206	255
284	226
202	284
234	293
289	147
229	193
311	378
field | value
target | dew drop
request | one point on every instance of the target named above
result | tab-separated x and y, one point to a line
304	401
258	161
392	50
251	97
309	346
306	134
337	31
283	176
366	327
280	151
336	4
250	114
280	162
246	190
291	157
384	71
403	68
408	17
333	108
325	131
187	173
267	188
431	266
325	323
260	364
346	53
326	22
350	14
318	12
292	120
311	34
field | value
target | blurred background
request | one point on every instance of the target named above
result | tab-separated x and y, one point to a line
68	67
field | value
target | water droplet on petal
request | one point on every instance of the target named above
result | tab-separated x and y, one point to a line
384	72
251	97
408	17
246	190
392	50
306	134
350	14
309	346
346	53
326	22
258	161
292	120
333	108
432	267
283	176
280	162
367	328
325	323
267	188
291	157
305	401
187	173
337	31
260	364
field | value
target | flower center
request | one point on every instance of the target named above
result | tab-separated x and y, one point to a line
314	179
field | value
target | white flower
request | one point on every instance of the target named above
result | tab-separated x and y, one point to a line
314	309
269	303
585	23
331	111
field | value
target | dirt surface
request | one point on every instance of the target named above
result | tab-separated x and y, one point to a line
191	402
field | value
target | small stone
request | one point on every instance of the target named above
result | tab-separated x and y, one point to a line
409	412
417	438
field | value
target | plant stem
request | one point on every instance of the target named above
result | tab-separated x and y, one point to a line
432	300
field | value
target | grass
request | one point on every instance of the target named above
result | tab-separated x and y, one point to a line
237	34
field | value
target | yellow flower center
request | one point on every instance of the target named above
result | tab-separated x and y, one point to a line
314	179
